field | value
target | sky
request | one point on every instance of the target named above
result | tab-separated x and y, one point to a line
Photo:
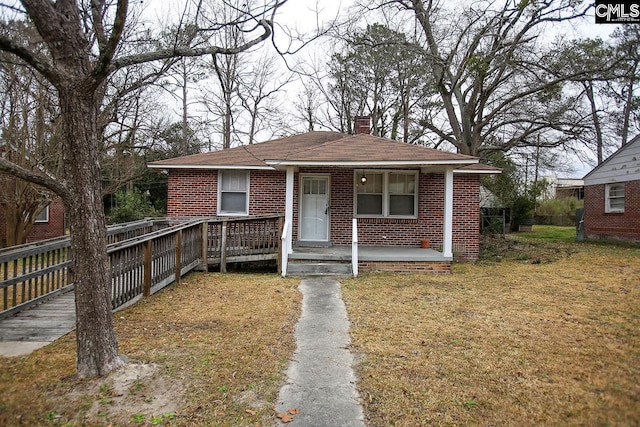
305	16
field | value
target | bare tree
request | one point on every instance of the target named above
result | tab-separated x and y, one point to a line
77	55
490	75
257	89
307	106
28	127
627	48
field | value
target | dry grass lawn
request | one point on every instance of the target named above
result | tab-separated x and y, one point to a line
220	344
537	334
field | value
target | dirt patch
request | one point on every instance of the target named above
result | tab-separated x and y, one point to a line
137	392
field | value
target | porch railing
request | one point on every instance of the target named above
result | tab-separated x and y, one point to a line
144	257
284	250
354	247
255	238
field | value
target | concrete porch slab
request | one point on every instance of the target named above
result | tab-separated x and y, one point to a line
368	253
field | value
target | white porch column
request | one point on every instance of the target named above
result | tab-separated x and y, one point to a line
447	239
288	210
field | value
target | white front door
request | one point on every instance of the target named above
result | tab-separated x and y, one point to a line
314	209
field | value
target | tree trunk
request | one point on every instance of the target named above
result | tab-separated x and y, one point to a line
628	104
97	352
185	115
596	120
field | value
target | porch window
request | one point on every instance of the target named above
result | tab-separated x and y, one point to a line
614	197
43	216
233	192
386	194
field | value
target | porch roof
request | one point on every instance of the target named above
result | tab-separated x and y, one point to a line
319	148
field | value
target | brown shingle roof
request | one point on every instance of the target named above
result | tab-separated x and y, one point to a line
319	148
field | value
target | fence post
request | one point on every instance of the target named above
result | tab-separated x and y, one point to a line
223	248
178	271
204	247
146	285
278	244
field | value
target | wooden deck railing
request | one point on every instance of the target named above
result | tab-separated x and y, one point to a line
142	266
243	239
144	257
36	271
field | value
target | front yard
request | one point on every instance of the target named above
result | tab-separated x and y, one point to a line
539	332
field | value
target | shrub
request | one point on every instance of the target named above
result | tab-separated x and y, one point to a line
131	206
558	211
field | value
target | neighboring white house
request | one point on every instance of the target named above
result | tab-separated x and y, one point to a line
563	187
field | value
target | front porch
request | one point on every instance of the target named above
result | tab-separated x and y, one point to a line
338	260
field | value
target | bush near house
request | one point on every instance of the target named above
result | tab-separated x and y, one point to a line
558	211
131	206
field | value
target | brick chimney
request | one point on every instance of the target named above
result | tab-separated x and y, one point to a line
361	124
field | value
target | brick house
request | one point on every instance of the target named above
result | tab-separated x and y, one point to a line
50	223
612	196
399	194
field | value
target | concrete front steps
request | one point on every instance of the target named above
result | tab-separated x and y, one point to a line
318	268
319	261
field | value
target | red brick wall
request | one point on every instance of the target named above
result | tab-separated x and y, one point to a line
40	231
405	232
192	193
599	225
53	228
3	228
267	192
466	216
432	267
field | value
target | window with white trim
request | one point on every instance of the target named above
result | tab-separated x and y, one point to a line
43	216
614	197
233	192
386	194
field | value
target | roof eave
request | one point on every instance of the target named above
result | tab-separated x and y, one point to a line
210	167
477	171
361	164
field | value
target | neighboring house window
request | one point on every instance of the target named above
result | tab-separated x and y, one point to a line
43	216
233	192
387	194
614	197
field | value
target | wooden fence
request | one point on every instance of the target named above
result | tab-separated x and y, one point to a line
144	257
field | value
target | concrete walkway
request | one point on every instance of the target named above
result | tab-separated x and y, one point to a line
321	383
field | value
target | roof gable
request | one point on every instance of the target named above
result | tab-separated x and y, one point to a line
621	166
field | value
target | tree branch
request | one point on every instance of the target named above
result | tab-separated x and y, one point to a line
108	49
186	51
36	61
36	178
